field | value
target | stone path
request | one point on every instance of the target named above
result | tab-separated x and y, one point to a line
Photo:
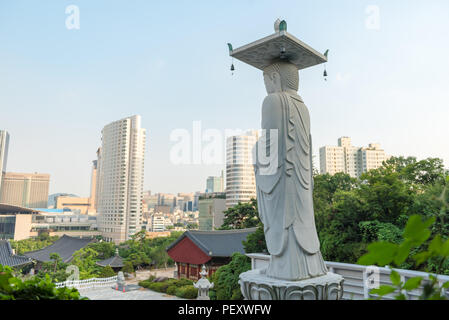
108	293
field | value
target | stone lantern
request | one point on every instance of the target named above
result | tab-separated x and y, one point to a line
203	285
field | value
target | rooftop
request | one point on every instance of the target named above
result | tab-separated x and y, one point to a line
11	209
218	243
8	258
64	246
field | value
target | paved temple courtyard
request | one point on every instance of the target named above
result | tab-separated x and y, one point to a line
108	293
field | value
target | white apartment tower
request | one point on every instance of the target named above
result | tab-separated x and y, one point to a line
240	177
350	159
4	144
120	174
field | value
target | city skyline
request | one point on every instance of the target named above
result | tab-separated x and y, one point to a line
379	89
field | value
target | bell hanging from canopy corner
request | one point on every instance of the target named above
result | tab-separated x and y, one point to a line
232	69
325	75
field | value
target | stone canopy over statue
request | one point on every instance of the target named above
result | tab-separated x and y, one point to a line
285	183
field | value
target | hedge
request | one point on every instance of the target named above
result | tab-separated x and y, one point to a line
182	288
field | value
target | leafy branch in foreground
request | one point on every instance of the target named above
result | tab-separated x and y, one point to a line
416	234
13	288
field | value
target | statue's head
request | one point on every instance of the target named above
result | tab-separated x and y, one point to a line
281	76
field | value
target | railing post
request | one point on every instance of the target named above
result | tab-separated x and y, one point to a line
365	287
403	291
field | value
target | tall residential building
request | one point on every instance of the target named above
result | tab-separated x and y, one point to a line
120	175
4	144
350	159
240	177
28	190
215	184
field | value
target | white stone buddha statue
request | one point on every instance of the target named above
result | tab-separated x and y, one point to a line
285	199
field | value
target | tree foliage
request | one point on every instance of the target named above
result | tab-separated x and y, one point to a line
241	216
14	288
351	213
416	233
225	279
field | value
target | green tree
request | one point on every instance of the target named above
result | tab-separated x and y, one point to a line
255	242
241	216
225	279
128	267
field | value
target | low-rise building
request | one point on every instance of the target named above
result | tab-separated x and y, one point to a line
75	204
18	223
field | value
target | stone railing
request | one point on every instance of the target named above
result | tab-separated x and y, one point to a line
357	277
88	283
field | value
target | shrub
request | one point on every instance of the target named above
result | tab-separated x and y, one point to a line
145	283
107	272
187	292
183	282
158	286
171	290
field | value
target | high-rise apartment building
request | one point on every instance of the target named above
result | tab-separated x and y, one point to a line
120	179
240	177
350	159
215	184
28	190
4	144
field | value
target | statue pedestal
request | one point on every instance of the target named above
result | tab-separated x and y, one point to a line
257	286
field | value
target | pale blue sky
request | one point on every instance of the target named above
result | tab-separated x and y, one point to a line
168	61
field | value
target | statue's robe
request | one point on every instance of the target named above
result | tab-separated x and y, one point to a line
285	198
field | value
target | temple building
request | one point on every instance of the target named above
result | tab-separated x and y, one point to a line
211	248
115	262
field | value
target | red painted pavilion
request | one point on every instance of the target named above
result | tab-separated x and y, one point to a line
211	248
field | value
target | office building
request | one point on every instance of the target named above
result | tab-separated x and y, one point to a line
4	144
120	175
211	211
93	188
28	190
215	184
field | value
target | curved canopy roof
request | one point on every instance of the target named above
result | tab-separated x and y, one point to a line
8	258
113	262
218	243
11	209
64	246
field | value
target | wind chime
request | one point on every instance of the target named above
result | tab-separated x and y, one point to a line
325	71
232	62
